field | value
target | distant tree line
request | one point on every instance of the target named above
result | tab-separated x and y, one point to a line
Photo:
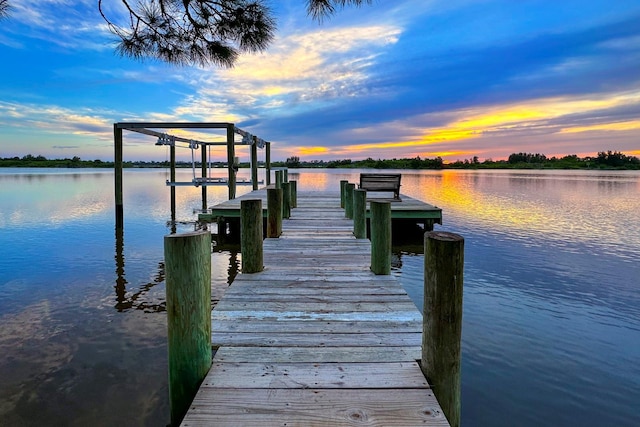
603	160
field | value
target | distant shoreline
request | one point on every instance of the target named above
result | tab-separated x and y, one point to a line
603	161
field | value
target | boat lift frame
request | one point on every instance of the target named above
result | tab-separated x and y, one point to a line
165	139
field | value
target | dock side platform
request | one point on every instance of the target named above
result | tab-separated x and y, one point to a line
316	339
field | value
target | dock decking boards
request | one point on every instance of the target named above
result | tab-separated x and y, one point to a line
316	339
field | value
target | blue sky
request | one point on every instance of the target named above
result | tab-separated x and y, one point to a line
455	78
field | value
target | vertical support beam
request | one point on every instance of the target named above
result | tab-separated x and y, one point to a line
188	281
254	163
285	175
203	168
442	325
294	193
172	191
380	237
348	200
231	153
286	200
360	214
267	161
279	179
274	212
251	235
117	164
343	189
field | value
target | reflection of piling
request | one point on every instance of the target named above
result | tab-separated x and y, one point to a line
442	313
380	237
188	282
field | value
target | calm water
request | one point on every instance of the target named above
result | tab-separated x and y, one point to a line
551	331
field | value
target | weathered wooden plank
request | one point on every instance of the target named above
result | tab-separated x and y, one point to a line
318	354
315	375
313	326
220	339
315	307
314	407
349	316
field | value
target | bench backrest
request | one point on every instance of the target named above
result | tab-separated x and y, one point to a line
380	182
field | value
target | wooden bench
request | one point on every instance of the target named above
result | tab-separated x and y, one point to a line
381	182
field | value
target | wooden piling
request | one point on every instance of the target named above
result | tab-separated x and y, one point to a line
251	235
442	314
380	237
274	212
118	163
188	289
343	187
267	163
360	214
286	200
279	178
254	163
231	153
294	193
348	200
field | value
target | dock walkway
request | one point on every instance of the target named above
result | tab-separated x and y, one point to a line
316	338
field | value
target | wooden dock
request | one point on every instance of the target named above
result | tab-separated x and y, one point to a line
315	339
407	209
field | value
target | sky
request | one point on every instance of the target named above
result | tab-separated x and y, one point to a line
396	79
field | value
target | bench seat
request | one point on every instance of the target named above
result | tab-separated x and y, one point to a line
381	182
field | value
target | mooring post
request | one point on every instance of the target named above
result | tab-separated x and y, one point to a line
380	237
117	172
274	212
286	200
343	186
187	260
254	163
348	200
360	214
279	176
442	314
294	193
251	235
285	175
267	163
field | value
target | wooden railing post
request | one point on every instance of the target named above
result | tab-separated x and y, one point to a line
187	260
294	193
343	188
251	235
380	237
279	176
442	314
348	200
286	200
274	212
360	214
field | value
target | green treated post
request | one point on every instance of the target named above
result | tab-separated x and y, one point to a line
380	237
279	179
442	318
267	163
343	185
348	200
360	214
251	235
254	163
274	212
285	175
294	193
188	285
286	200
231	153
